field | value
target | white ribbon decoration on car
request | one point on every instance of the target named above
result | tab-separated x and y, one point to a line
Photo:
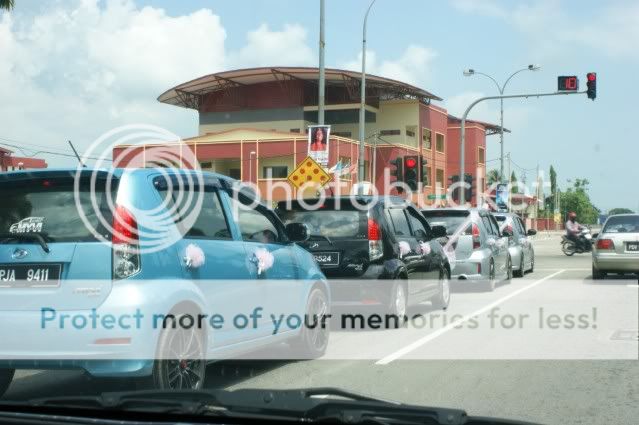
404	248
425	246
265	260
194	257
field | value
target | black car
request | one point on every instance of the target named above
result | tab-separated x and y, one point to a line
375	251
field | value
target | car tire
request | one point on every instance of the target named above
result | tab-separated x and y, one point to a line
509	270
6	376
186	373
442	299
532	263
520	272
597	274
490	283
312	343
398	303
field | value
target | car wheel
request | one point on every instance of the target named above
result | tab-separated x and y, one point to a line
597	274
180	363
312	341
490	283
398	303
520	272
6	376
442	299
509	270
532	262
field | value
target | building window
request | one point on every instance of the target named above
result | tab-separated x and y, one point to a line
294	130
410	132
481	155
390	132
439	178
275	172
427	138
439	142
428	175
206	165
234	173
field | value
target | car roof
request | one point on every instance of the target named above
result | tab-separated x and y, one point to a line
117	172
366	199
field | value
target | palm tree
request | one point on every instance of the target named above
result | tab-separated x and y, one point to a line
492	177
7	4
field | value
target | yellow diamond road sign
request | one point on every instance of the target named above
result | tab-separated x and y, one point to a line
309	171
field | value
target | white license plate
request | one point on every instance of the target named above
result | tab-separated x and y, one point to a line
632	246
327	258
29	275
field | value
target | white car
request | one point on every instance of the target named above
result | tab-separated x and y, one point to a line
616	249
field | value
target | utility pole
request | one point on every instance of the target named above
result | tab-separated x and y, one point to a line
362	104
322	77
537	199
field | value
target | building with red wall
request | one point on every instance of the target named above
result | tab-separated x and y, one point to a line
253	122
8	162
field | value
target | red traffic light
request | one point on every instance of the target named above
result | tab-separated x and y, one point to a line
411	162
591	76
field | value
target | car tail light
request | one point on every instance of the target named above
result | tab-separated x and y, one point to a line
375	249
605	244
125	244
476	238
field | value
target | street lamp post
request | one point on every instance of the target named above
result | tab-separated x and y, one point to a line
362	105
470	72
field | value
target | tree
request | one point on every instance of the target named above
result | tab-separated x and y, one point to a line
492	177
620	211
576	199
514	183
7	4
550	201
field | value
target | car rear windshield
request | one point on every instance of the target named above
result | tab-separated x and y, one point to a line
330	223
622	224
452	220
48	207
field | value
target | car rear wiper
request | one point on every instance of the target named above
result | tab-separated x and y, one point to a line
321	237
29	236
307	405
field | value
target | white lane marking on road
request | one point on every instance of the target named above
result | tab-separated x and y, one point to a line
633	286
566	269
427	338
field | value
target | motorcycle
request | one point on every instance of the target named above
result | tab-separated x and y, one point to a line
570	248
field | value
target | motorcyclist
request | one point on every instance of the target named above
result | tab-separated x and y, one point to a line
573	229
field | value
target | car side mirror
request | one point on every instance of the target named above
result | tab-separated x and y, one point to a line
438	231
297	232
595	235
507	233
531	232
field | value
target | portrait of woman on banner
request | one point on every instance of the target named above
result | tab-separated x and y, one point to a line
319	139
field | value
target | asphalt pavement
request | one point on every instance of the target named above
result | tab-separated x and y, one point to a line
552	347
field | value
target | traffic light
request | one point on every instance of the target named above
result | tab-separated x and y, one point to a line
591	83
468	194
398	172
454	181
410	171
424	171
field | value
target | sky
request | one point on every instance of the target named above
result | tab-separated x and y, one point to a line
75	69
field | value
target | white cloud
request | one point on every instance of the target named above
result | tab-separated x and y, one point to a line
482	7
78	69
267	48
413	66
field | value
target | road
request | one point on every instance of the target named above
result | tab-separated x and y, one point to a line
552	347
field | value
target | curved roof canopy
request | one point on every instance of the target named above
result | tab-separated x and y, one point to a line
187	94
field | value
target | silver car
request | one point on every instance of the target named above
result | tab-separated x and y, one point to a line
520	244
616	248
478	251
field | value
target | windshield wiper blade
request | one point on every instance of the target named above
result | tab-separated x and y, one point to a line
310	405
29	236
321	237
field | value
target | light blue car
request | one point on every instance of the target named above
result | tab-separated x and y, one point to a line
94	287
